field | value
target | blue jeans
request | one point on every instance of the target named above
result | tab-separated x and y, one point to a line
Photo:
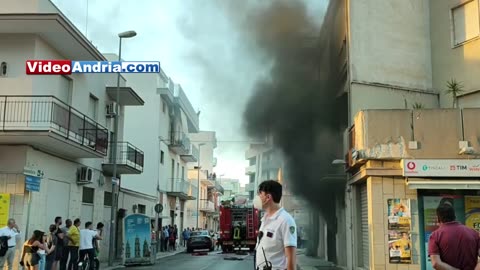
42	262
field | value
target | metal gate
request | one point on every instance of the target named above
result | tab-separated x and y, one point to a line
364	226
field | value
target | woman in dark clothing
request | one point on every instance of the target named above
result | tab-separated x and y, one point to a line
52	245
59	249
30	258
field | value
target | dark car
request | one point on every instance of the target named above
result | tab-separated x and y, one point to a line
200	240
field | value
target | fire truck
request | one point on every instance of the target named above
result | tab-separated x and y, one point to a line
239	224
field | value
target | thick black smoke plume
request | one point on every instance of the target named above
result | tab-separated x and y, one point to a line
296	104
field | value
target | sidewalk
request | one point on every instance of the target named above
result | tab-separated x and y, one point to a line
160	255
305	262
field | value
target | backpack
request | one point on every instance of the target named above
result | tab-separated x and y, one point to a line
3	245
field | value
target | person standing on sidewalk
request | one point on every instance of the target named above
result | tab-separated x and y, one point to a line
453	245
12	232
66	240
278	232
74	244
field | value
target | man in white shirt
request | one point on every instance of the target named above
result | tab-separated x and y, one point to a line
278	232
87	236
12	232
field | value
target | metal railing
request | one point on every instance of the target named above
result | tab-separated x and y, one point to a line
48	113
180	139
127	154
179	185
207	205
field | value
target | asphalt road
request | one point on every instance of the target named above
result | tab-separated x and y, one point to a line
214	260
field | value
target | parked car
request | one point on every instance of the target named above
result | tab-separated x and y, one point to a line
200	240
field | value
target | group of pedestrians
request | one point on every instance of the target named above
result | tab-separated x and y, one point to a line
58	249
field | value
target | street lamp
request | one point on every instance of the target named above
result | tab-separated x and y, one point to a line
198	183
127	34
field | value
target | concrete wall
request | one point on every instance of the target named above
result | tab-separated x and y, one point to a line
390	42
128	198
458	62
146	87
386	133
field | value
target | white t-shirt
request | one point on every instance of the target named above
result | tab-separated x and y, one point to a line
86	238
279	231
6	231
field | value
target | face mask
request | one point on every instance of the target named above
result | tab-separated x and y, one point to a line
257	202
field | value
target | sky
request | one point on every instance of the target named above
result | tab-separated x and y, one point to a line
199	47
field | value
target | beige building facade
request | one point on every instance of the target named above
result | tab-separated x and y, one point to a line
390	63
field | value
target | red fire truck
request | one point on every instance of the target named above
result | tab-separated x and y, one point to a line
239	226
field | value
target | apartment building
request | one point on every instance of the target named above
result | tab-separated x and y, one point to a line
55	131
406	127
169	117
201	173
266	163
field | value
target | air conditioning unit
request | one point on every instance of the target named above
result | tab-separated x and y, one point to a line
84	175
111	110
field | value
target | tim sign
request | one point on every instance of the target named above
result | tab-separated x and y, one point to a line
441	167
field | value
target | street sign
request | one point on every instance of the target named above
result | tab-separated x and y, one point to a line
115	181
32	183
33	172
158	208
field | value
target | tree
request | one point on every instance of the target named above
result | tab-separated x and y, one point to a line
454	89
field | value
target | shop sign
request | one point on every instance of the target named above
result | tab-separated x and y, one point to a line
441	167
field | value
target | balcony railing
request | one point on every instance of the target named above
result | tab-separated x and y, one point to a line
183	189
207	206
129	158
192	155
180	142
47	113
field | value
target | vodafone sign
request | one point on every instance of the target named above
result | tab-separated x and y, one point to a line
441	167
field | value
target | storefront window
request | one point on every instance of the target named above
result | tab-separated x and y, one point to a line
467	211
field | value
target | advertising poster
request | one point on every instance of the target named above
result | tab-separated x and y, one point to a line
399	246
137	240
399	215
430	204
4	209
472	212
399	226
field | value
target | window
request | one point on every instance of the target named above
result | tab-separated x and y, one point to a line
183	172
466	24
93	107
141	209
173	168
162	157
107	198
87	195
164	107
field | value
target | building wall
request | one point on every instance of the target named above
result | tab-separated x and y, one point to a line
390	43
149	142
448	61
206	150
128	198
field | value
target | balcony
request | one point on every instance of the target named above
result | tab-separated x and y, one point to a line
48	124
179	143
183	189
250	169
250	187
209	181
129	159
192	156
206	206
271	164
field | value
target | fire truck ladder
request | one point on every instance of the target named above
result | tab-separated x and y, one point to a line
250	219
